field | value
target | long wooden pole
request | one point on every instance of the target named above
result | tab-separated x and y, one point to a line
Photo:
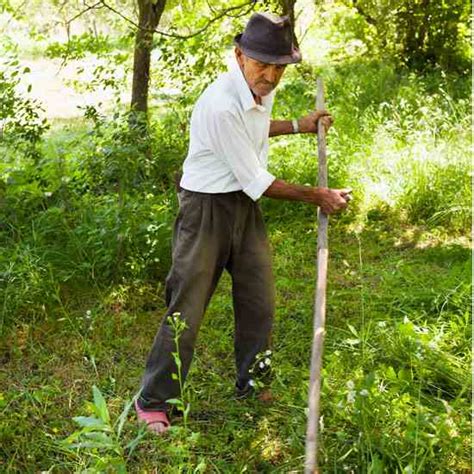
311	463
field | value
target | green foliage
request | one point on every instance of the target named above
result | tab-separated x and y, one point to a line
120	156
178	326
420	33
439	195
85	227
99	440
192	64
25	279
21	124
78	46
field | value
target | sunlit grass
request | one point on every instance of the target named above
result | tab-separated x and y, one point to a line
83	267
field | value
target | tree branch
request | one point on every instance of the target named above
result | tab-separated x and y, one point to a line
223	13
12	15
88	8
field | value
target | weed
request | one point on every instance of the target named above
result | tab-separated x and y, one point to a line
99	440
179	326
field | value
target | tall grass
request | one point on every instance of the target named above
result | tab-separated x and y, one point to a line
402	141
93	213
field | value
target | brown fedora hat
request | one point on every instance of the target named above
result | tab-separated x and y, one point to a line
268	39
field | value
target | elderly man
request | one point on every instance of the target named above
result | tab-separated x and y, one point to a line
219	225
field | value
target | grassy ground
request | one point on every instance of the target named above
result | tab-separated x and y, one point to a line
85	236
396	369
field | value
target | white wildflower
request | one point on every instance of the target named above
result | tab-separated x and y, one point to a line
450	423
252	383
267	361
48	194
364	393
268	352
321	423
406	320
351	396
453	433
350	384
382	387
261	365
433	345
382	324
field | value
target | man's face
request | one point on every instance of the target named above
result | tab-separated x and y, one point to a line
262	78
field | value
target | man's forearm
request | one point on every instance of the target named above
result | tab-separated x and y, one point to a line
329	200
280	189
280	127
306	124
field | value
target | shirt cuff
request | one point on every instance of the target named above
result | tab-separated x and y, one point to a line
259	184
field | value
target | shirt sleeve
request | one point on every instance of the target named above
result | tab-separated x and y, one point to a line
229	140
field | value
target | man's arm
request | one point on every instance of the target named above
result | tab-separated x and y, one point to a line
306	124
329	200
280	127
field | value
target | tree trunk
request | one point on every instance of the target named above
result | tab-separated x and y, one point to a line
149	16
288	8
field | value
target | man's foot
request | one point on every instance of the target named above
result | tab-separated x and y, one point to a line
264	395
157	421
243	392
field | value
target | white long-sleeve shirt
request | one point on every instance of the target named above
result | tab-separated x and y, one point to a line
228	148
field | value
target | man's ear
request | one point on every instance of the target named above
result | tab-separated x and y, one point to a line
239	55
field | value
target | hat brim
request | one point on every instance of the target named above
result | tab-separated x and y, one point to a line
294	57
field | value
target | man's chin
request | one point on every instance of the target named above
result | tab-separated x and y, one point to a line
264	91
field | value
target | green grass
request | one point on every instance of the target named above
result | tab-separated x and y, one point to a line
82	272
397	331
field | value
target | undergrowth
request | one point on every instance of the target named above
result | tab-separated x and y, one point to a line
85	229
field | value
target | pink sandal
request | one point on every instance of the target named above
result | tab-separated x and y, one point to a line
156	421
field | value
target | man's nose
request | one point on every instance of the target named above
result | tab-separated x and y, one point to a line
271	74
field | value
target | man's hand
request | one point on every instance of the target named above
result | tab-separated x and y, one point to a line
329	200
332	200
309	123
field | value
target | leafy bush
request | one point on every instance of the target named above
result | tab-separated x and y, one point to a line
420	35
21	125
120	157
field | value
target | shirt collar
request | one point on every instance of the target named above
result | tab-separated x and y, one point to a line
244	92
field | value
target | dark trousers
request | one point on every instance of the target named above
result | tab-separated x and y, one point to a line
213	232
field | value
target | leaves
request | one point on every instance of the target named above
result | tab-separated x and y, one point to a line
174	401
89	422
123	416
100	405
